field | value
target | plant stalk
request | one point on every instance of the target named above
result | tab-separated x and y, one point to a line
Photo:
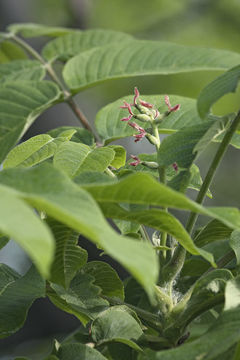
68	97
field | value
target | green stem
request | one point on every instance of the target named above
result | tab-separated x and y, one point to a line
212	169
68	97
180	251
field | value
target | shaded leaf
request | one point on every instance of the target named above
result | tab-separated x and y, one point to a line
106	278
81	135
49	190
79	351
29	30
72	44
222	85
235	244
21	70
7	276
69	257
19	222
16	300
20	104
213	231
35	150
80	299
75	158
142	58
116	325
3	241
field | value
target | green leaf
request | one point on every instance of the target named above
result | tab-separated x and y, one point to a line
7	276
29	30
79	351
93	177
183	147
142	58
72	44
141	188
21	70
120	156
16	300
232	294
116	325
222	85
69	257
106	278
35	150
234	243
80	299
195	181
159	220
49	190
10	51
20	104
3	241
213	231
19	222
81	135
75	158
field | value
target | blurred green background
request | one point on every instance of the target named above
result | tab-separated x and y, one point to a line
208	23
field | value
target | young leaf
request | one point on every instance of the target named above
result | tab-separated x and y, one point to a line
141	57
20	103
80	299
35	150
69	257
222	85
16	299
106	278
120	156
21	70
18	221
74	43
81	135
79	351
29	30
10	51
49	190
82	158
116	325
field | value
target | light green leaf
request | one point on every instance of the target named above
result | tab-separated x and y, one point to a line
72	44
120	156
141	188
20	104
75	158
29	30
69	257
19	222
93	177
81	135
116	325
21	70
80	299
213	231
16	300
79	351
10	51
141	57
106	278
235	244
49	190
159	220
222	85
35	150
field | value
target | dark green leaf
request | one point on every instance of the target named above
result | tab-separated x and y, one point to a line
7	276
213	231
106	278
16	300
79	351
235	244
142	58
116	325
69	257
10	51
